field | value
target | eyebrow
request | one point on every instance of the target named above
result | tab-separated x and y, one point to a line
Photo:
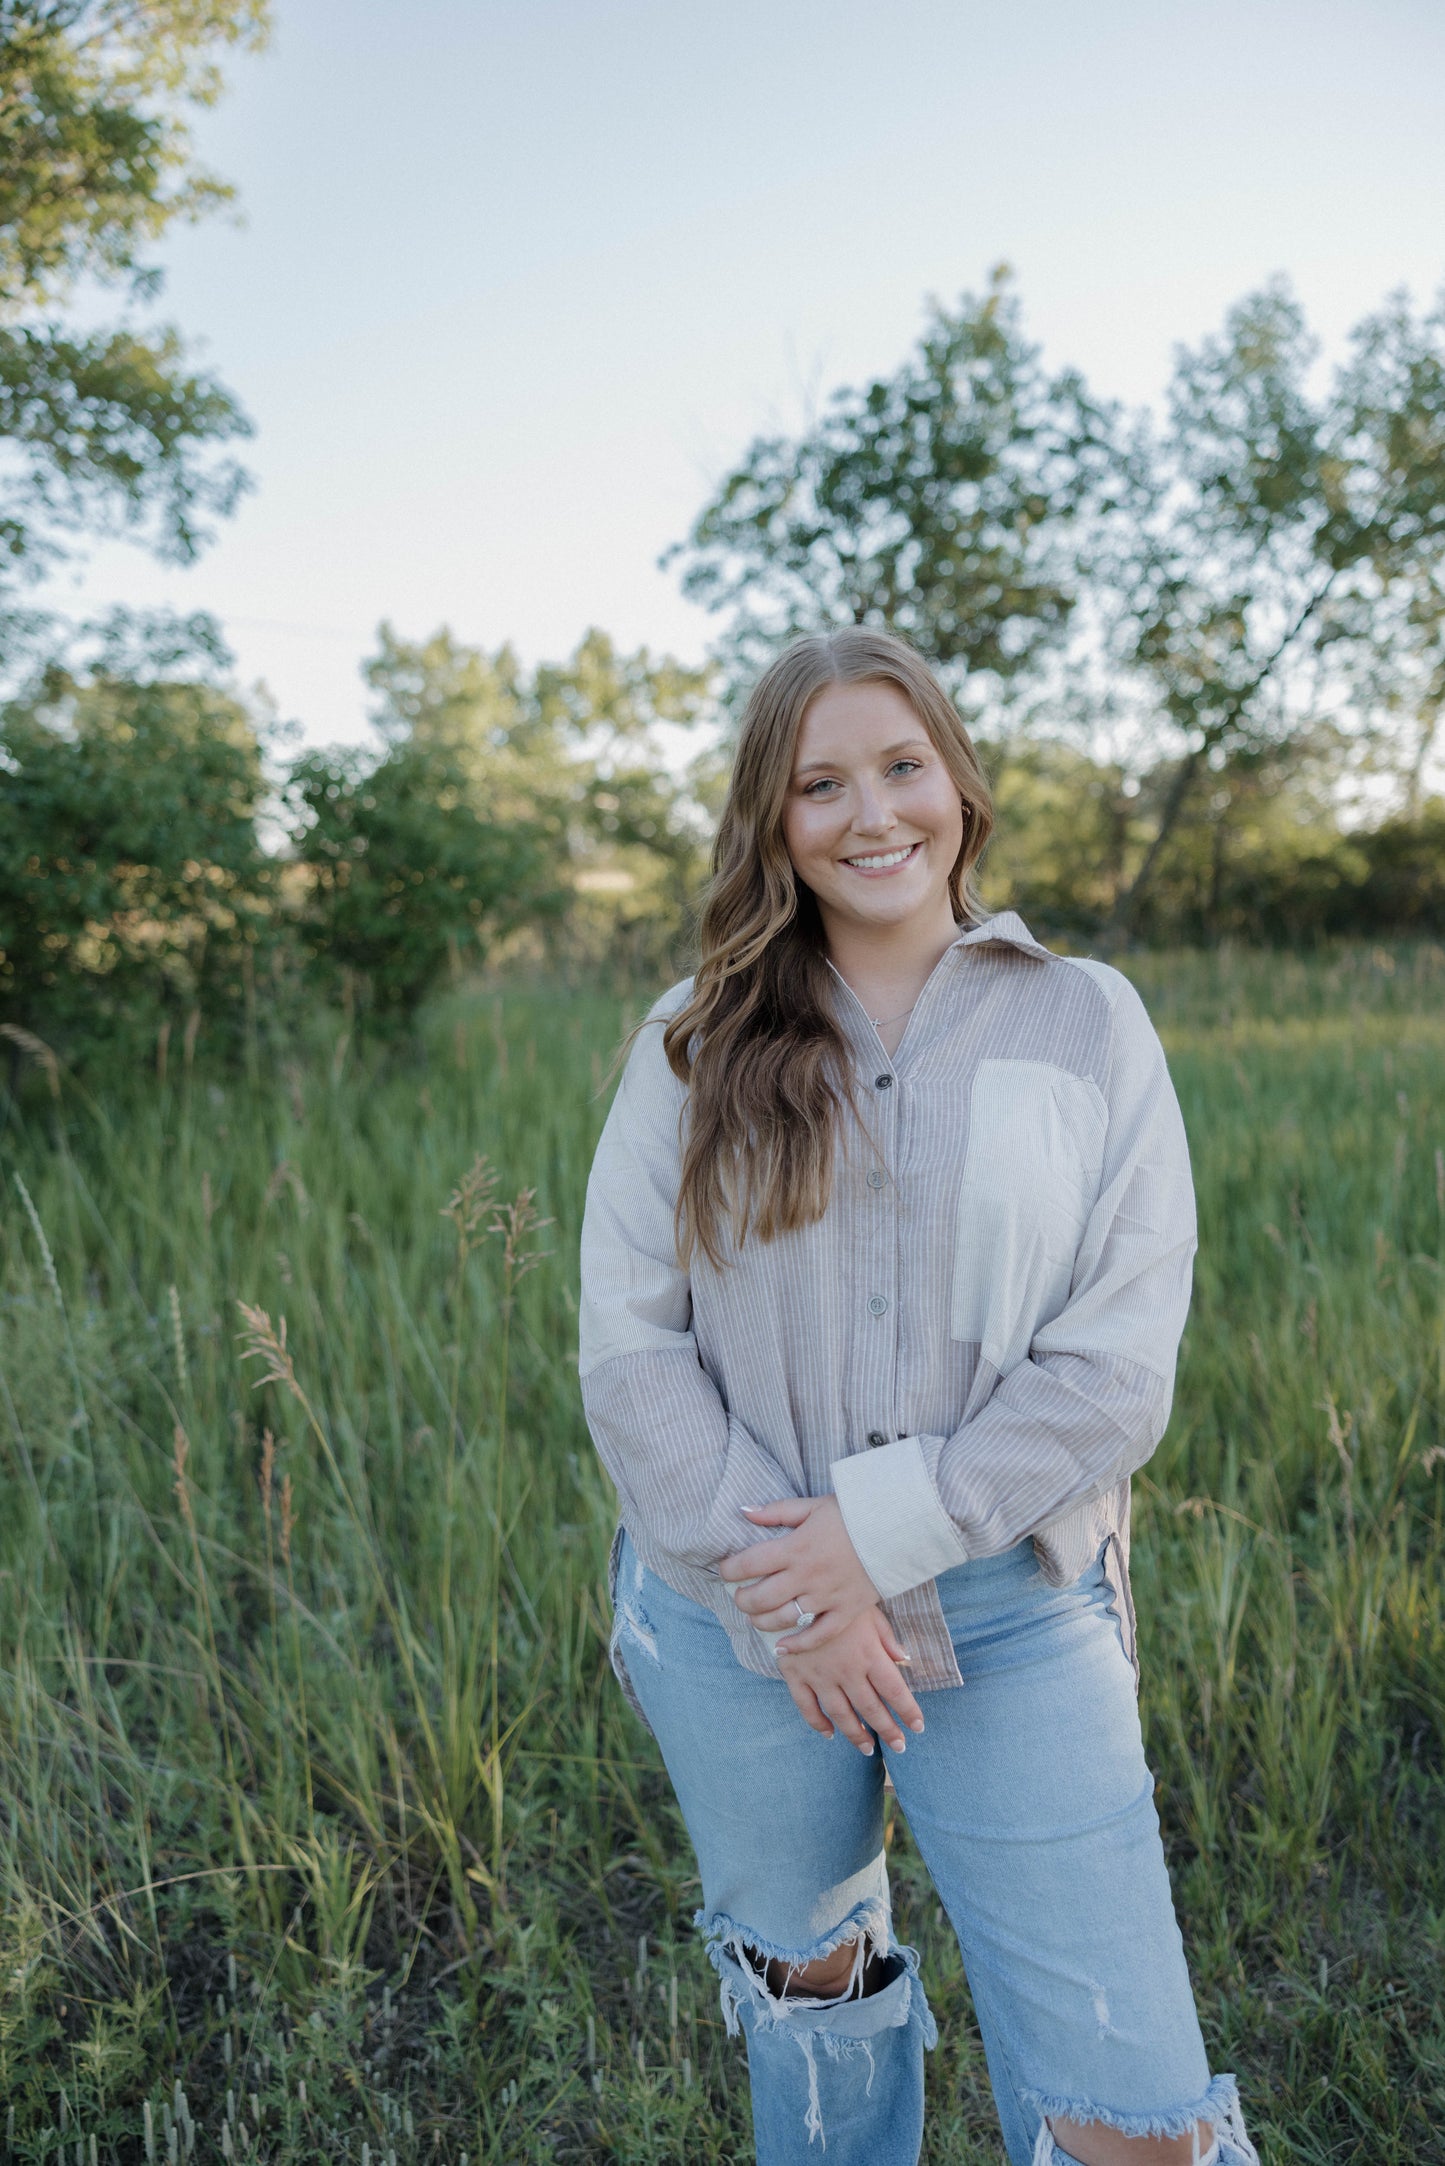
905	744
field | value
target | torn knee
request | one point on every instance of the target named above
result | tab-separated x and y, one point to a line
852	1993
858	1962
1094	2143
855	1970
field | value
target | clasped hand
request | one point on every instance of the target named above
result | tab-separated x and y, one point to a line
843	1669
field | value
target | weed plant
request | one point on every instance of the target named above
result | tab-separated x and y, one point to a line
324	1831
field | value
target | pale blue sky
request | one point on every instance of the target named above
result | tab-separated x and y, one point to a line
518	279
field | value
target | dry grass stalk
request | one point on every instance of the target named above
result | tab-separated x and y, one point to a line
470	1202
288	1520
266	1342
39	1052
519	1223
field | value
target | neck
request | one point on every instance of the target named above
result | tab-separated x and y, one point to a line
888	965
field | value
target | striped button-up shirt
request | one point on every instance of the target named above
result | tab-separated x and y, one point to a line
976	1341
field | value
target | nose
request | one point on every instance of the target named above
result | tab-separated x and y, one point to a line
873	814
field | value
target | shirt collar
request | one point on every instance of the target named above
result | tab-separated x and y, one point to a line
1009	929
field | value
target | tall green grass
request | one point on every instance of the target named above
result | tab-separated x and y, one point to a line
324	1833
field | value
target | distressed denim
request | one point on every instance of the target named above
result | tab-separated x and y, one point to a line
1030	1800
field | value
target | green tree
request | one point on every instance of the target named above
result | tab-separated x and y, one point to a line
105	430
1403	888
496	788
937	501
632	814
405	875
1258	544
132	879
1064	828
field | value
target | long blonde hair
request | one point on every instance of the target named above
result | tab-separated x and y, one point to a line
758	1042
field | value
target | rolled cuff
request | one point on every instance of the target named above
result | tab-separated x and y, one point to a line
894	1516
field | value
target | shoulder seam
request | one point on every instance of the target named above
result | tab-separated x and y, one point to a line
1094	968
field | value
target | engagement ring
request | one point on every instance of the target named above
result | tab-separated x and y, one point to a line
805	1616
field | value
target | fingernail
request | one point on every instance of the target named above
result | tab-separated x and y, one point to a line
867	1751
901	1660
916	1728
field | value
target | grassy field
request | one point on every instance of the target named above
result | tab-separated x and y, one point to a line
324	1832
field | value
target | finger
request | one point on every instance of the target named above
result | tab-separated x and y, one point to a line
778	1607
843	1716
894	1690
891	1642
777	1592
786	1512
820	1633
806	1702
782	1619
871	1710
758	1560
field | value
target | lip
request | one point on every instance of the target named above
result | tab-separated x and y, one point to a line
882	872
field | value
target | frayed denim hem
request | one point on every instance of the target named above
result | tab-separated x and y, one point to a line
845	2025
1219	2106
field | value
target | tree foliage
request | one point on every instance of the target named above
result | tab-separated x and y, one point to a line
405	874
132	878
102	432
113	429
1256	542
1178	613
937	502
495	788
97	156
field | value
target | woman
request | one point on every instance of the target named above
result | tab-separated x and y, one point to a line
886	1255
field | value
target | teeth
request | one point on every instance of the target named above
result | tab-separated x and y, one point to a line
876	864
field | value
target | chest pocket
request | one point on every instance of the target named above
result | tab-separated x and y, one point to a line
1030	1176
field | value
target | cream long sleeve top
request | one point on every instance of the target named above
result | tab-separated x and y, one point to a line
974	1344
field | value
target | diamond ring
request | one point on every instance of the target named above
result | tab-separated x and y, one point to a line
805	1616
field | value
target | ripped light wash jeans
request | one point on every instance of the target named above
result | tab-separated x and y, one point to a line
1029	1798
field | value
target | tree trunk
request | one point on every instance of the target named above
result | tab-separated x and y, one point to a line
1216	876
1415	780
1126	907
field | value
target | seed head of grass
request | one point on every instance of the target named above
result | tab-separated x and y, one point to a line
47	1261
263	1341
519	1224
286	1176
39	1052
473	1198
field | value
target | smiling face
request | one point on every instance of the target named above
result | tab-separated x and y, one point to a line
873	821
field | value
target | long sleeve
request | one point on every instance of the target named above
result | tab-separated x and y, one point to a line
682	1466
1090	1400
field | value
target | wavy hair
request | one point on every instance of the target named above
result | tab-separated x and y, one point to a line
758	1042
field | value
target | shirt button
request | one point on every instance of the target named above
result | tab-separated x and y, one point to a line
876	1437
877	1179
883	1082
877	1306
